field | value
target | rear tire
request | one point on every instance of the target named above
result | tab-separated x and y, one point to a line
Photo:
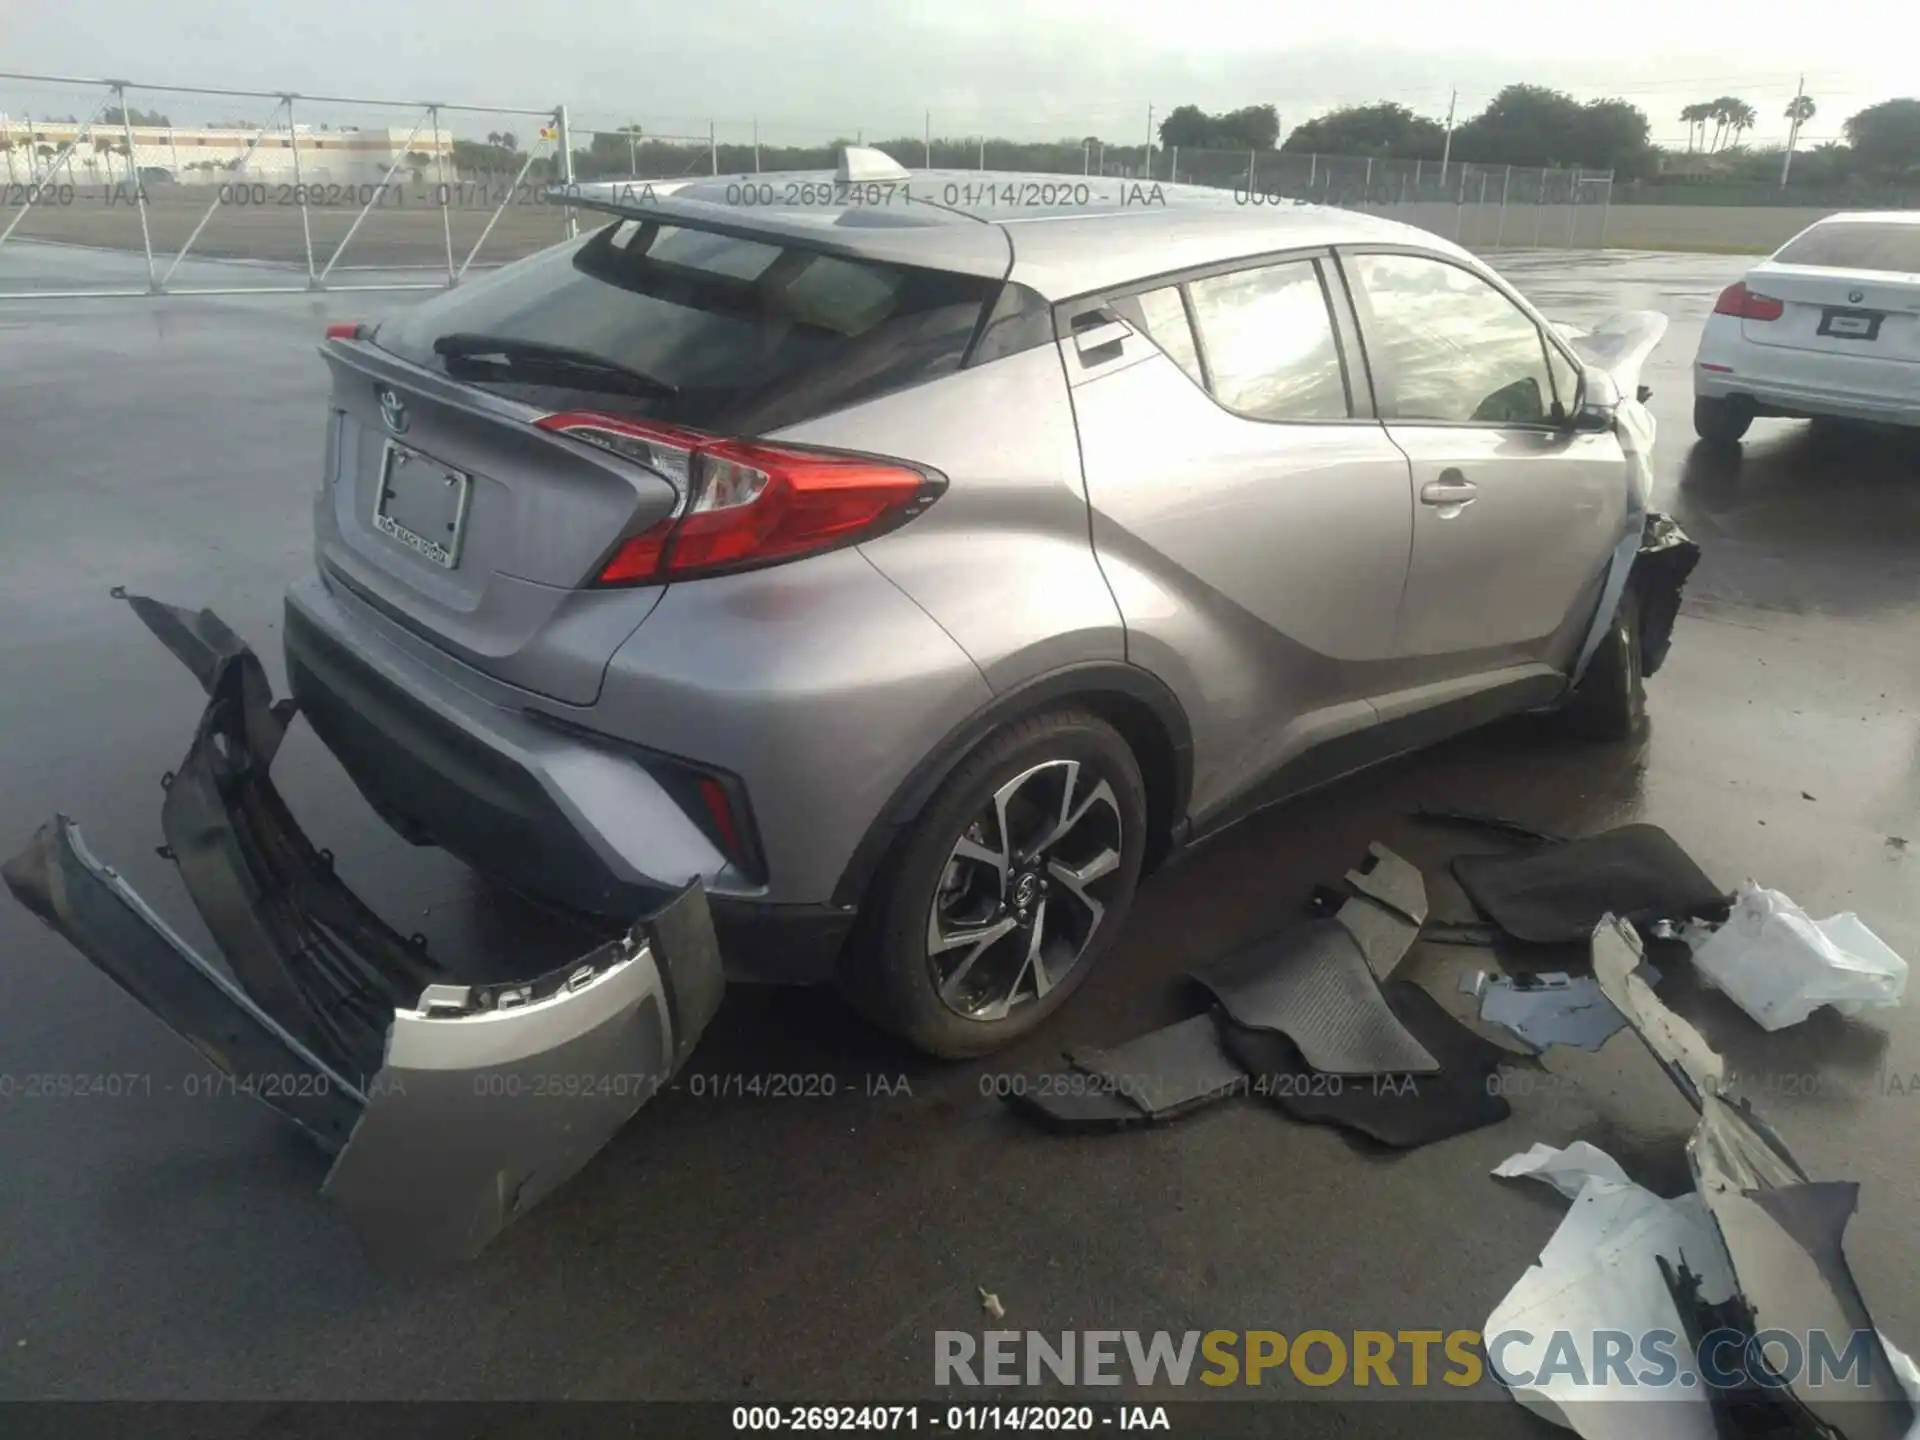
943	882
1610	702
1720	421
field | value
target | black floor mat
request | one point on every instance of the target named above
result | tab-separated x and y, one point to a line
1404	1111
1312	984
1162	1075
1557	893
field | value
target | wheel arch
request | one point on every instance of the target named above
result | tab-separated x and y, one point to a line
1135	702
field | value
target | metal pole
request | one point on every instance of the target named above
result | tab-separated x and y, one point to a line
564	138
1480	206
756	144
1368	200
140	192
53	169
983	152
446	213
239	169
1606	210
494	218
380	190
1313	170
713	150
1573	206
927	139
1147	155
1793	135
174	151
299	190
1539	209
1250	160
633	159
1446	151
1086	157
1459	204
1505	184
1173	164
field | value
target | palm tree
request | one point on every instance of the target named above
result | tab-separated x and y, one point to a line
1740	119
103	145
1799	110
1696	117
6	148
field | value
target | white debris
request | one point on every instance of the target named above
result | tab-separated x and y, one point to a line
990	1303
1598	1273
1566	1170
1780	965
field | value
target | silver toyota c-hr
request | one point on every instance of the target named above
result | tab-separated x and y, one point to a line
918	559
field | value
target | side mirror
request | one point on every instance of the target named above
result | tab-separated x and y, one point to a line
1594	403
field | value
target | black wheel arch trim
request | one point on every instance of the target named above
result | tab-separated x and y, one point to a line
1089	682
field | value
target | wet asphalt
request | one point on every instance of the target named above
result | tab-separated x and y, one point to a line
171	1242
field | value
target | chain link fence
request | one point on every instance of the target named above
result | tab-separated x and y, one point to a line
166	186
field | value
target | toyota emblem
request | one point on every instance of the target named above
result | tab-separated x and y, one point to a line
393	412
1854	297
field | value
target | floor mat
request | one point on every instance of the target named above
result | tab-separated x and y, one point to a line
1558	893
1404	1111
1162	1075
1311	983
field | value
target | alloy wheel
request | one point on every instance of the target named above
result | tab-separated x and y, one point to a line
1024	890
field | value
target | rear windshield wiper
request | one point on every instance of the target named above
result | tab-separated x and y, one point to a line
536	360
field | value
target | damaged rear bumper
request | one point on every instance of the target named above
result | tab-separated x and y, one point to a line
449	1108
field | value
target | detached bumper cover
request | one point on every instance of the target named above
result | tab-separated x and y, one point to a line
450	1108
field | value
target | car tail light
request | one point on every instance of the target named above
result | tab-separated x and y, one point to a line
344	330
1738	300
748	504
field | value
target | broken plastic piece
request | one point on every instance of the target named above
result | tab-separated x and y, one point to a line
1568	1170
1779	964
432	1095
1696	1067
1548	1009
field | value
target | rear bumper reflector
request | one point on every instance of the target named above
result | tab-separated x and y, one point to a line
422	1088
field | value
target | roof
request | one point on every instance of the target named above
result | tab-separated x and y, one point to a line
1061	235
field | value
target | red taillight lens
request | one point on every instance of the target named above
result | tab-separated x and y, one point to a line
748	504
714	795
344	330
1738	300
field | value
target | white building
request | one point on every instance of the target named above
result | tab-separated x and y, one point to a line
337	156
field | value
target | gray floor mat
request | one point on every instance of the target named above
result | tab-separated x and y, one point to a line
1165	1070
1312	984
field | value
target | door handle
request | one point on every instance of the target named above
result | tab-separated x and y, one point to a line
1452	489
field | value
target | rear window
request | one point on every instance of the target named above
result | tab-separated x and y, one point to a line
755	335
1856	245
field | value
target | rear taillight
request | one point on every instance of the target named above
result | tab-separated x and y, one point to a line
344	330
747	504
1738	300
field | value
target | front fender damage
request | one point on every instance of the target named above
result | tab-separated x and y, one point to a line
450	1109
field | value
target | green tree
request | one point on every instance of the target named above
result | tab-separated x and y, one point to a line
133	115
1252	127
1696	117
1886	137
1380	131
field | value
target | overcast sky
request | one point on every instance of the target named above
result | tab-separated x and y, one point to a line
1026	69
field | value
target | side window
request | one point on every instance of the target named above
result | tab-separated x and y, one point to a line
1269	341
1454	347
1162	315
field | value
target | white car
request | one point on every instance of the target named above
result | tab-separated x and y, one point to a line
1826	327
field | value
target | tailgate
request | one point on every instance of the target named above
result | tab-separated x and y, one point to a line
1866	315
446	509
449	1108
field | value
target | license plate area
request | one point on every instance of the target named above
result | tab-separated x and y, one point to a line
1851	324
422	504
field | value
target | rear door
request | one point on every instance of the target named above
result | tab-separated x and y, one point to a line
450	511
1250	514
1516	516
